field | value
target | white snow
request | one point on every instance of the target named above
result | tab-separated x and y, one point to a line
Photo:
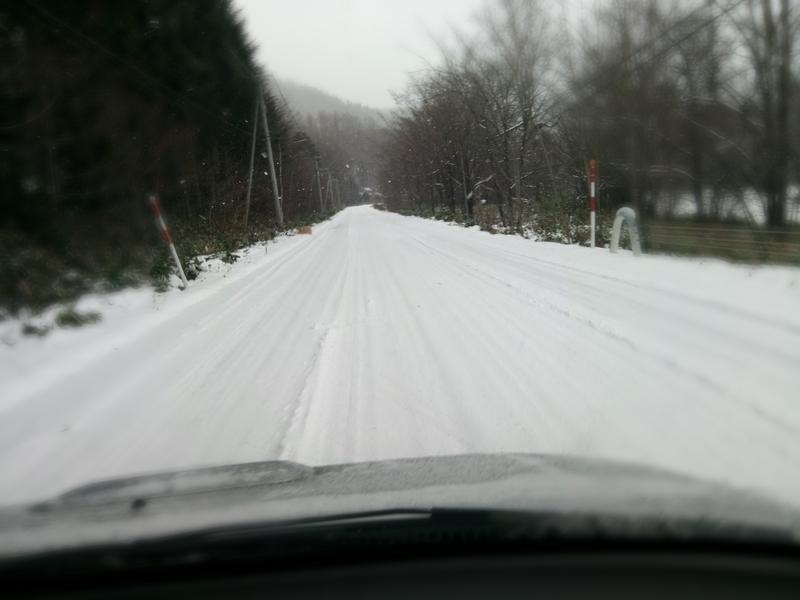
381	336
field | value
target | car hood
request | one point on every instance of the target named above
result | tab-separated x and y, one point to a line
163	504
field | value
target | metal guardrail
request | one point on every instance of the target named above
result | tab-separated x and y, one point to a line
724	240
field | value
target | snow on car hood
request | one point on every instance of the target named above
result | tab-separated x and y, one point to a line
272	492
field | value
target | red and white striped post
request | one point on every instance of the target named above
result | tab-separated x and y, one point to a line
162	226
593	199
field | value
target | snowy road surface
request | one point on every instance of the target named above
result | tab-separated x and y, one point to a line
382	336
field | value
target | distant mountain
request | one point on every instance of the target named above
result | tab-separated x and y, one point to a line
306	100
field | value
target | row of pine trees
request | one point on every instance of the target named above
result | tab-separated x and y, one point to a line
104	103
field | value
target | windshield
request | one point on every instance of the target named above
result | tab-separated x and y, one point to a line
344	231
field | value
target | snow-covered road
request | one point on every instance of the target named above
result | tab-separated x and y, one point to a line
382	336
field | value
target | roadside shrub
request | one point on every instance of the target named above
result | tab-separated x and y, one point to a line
159	274
33	276
70	318
35	330
229	257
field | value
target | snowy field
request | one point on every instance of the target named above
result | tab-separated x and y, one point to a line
382	336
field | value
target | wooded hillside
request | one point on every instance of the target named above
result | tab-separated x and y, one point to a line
103	103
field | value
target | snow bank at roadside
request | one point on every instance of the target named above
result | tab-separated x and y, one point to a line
30	362
738	285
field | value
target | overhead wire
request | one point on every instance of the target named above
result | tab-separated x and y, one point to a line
144	78
593	84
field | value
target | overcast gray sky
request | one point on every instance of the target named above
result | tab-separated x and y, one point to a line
358	50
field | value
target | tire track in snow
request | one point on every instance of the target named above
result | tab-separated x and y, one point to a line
382	336
699	341
654	388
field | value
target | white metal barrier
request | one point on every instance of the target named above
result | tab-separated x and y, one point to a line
627	216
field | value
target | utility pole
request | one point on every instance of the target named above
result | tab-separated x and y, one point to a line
464	187
252	159
547	160
319	184
278	208
556	191
329	191
593	200
280	170
336	197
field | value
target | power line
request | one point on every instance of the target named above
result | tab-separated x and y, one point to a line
144	78
602	76
280	93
